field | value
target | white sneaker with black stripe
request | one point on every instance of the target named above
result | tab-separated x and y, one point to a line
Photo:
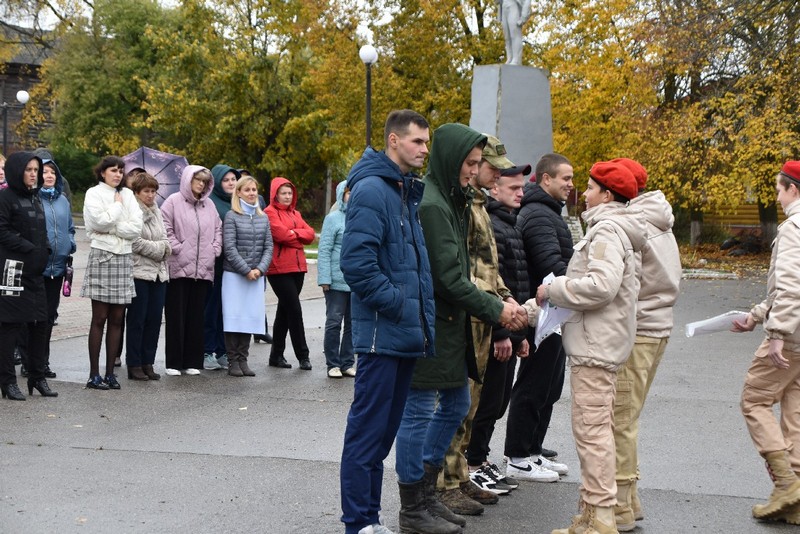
559	468
529	470
482	478
499	477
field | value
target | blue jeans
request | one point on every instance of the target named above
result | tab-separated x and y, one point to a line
381	386
430	421
337	309
143	322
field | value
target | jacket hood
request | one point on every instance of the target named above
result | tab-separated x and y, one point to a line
451	144
59	187
15	169
374	163
276	184
629	219
657	210
535	193
341	205
218	172
186	183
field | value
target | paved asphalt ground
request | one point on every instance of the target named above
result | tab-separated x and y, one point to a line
211	453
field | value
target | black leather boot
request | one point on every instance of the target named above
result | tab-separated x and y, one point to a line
12	392
414	515
41	386
432	503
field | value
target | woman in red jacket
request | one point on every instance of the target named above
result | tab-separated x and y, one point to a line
287	271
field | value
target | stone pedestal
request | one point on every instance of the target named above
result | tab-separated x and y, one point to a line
512	102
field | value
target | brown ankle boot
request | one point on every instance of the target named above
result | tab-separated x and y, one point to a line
136	373
246	371
151	374
233	368
787	486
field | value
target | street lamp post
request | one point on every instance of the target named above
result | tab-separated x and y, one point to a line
22	98
368	55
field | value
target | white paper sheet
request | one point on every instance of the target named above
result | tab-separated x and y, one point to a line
720	323
550	318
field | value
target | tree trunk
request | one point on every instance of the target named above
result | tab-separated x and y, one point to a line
768	218
696	227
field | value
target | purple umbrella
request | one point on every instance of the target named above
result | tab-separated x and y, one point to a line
166	168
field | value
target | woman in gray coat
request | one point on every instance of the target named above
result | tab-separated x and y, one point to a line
247	250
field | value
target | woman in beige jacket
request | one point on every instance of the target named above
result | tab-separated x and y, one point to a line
774	374
601	286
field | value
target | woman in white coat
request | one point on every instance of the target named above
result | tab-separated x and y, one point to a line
113	221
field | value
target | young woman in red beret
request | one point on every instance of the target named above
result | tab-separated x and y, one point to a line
601	285
773	375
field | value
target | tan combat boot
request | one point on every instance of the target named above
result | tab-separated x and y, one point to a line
600	520
636	504
623	510
579	522
787	487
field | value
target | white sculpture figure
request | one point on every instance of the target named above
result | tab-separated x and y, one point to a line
513	14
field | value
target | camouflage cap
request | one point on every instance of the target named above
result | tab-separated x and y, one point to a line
495	153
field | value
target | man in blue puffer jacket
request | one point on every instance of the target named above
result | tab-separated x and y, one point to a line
386	265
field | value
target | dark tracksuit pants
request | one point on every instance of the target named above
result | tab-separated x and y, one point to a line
380	391
495	396
540	380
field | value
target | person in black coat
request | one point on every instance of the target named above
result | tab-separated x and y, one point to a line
23	256
548	248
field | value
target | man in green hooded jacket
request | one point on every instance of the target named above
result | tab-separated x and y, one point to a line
439	398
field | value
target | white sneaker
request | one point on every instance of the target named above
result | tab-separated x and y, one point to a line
334	372
559	468
172	372
349	372
192	371
528	470
375	529
210	363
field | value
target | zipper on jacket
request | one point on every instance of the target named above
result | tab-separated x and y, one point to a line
374	334
55	236
419	285
197	256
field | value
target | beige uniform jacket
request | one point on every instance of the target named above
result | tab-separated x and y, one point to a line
779	311
661	267
602	286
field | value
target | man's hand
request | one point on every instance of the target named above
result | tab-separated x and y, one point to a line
502	350
744	326
513	316
776	354
524	349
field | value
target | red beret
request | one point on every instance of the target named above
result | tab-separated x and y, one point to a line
636	168
616	177
791	169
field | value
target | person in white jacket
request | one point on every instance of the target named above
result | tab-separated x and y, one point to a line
661	276
113	221
601	285
774	374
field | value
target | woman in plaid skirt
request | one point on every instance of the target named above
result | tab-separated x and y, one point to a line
113	221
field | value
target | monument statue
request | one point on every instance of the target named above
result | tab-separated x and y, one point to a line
513	14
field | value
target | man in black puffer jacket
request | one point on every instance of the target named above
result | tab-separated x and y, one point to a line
506	345
548	248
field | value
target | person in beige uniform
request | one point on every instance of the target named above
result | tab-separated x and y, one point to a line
774	374
661	276
601	286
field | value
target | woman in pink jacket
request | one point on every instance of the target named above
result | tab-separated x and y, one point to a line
194	230
287	271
